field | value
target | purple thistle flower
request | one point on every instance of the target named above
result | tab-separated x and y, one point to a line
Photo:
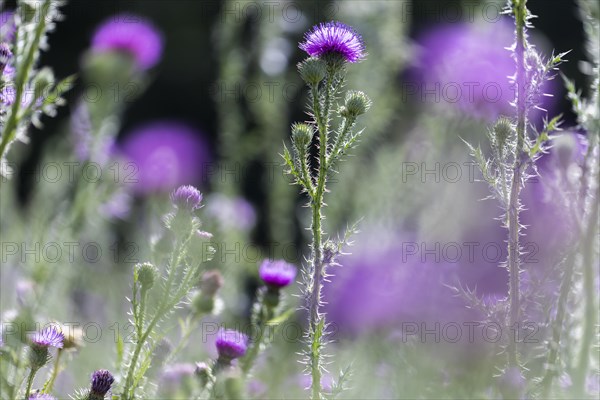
334	38
166	155
133	35
231	344
102	380
41	396
186	197
48	337
277	273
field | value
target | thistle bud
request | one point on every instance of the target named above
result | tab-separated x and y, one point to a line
102	381
146	274
503	130
302	135
357	103
312	70
203	373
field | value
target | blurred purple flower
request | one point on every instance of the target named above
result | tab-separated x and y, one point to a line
334	38
117	206
231	344
7	26
48	337
236	213
457	65
172	374
41	396
277	273
130	34
166	155
5	56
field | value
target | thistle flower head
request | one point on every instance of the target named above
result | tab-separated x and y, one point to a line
186	197
277	273
231	344
130	34
357	103
101	381
302	135
503	129
48	337
334	38
146	275
312	70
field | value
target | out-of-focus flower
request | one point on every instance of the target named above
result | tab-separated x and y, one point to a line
130	34
41	396
7	26
231	344
102	381
277	273
165	155
186	197
48	337
174	373
334	38
458	66
236	213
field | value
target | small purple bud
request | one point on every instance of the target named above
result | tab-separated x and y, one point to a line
231	344
102	380
334	38
186	197
277	273
211	282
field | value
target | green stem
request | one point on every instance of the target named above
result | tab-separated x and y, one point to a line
30	382
22	77
317	259
50	384
590	310
516	184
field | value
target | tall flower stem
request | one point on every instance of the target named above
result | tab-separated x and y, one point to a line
30	381
55	369
590	307
315	317
520	13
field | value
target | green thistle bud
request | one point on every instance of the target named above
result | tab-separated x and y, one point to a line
312	70
503	130
302	135
357	103
146	274
38	356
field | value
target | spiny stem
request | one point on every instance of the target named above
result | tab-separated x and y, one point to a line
48	387
30	382
317	259
520	11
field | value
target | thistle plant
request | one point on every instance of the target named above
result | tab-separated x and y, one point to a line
331	46
515	147
26	91
181	273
